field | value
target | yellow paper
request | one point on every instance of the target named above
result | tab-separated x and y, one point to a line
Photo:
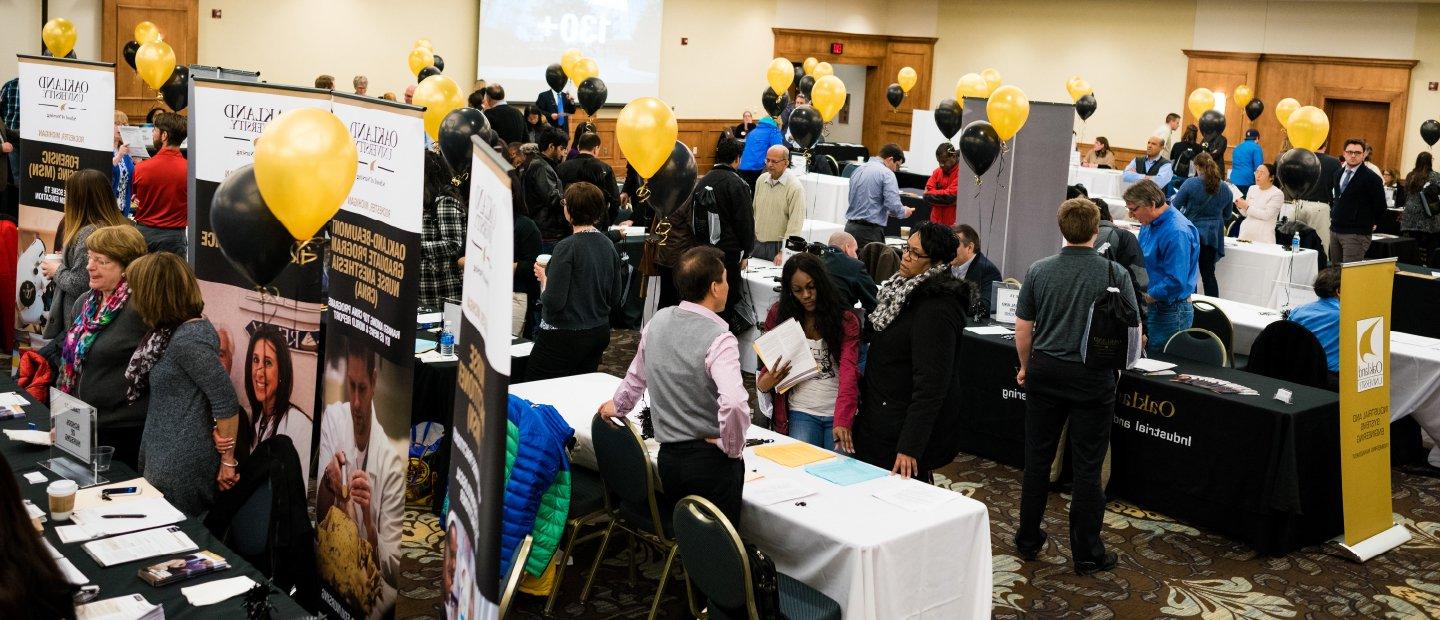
793	454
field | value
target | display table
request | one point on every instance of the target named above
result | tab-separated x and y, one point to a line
1392	246
1250	272
1099	181
842	152
1416	302
877	560
121	579
1249	467
762	281
826	197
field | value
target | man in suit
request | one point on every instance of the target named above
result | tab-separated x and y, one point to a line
848	273
970	264
1358	205
556	106
1313	209
508	122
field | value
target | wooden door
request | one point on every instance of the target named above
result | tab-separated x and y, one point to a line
1367	120
178	21
884	125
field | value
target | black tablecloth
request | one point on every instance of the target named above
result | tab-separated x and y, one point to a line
1415	308
1249	467
913	180
841	152
1403	248
122	580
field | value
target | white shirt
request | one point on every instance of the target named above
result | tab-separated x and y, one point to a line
1261	214
299	428
816	395
1164	132
963	269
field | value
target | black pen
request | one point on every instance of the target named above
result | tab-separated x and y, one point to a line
123	516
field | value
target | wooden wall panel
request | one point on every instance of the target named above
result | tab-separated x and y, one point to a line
1221	73
701	134
178	21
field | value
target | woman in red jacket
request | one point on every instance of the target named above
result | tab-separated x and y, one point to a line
940	189
817	410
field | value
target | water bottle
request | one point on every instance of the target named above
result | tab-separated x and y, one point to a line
447	340
1295	242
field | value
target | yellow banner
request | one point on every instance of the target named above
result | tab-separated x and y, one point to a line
1365	289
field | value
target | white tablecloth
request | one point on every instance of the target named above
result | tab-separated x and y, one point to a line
761	279
1250	272
819	231
1099	181
826	197
877	560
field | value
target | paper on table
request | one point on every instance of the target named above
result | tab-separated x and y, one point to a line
215	591
845	471
128	607
72	574
90	523
90	498
990	330
139	545
1146	364
521	349
786	343
775	490
35	477
13	398
1414	340
39	438
915	496
793	453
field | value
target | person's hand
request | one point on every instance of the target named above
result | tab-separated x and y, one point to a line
607	410
48	268
905	466
780	258
554	116
1020	377
122	151
461	262
744	264
6	147
908	211
769	380
222	444
360	489
331	478
842	440
539	274
227	477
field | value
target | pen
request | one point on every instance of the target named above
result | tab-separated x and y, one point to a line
124	517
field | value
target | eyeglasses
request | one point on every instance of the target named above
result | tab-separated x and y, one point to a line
914	253
1349	152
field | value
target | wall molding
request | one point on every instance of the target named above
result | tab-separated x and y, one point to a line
1349	61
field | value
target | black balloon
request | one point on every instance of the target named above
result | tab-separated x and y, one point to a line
592	94
439	62
1212	123
555	77
674	182
1430	131
774	104
799	73
947	118
248	233
807	83
979	145
176	90
1085	106
1297	170
1254	109
129	52
426	72
894	94
805	126
455	131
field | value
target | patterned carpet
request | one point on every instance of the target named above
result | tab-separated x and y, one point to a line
1167	568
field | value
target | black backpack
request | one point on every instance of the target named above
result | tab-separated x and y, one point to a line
765	584
1112	334
1430	198
705	215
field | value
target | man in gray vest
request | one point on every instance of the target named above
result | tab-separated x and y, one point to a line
700	424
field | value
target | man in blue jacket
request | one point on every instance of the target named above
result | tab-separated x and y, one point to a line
752	161
1247	157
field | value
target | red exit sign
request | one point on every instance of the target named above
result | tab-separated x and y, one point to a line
837	48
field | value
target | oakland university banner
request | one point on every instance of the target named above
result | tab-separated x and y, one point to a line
67	124
477	463
373	278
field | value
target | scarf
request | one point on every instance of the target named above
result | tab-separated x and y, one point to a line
92	318
137	372
893	294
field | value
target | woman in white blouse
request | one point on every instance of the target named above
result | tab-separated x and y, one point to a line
1261	206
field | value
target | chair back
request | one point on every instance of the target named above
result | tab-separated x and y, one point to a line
1209	316
1198	345
834	165
512	578
880	261
849	169
1287	351
714	557
625	467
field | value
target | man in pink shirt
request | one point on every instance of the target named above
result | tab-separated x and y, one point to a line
700	424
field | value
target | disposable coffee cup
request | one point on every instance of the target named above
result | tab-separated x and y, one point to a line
62	498
53	257
543	260
904	232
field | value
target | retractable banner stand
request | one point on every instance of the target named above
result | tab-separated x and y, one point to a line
1370	527
471	579
270	338
67	124
374	262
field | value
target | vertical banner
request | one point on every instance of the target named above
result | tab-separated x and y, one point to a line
1370	527
67	124
374	262
270	338
477	461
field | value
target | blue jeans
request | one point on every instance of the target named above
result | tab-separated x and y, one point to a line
813	429
1165	319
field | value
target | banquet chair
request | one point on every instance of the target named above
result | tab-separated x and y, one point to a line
720	568
1287	351
588	506
1210	317
849	169
1198	345
512	578
633	484
880	260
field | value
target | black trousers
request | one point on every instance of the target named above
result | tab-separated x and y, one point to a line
1057	390
699	468
865	232
566	352
737	285
1207	271
125	440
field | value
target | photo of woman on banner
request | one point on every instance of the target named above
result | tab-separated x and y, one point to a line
269	379
458	573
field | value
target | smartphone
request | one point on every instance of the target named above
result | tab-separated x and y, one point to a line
119	491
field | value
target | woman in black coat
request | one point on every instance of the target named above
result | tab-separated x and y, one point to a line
910	399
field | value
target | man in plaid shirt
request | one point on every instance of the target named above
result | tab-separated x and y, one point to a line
10	145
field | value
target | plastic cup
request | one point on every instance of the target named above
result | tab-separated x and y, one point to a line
905	232
62	498
543	260
102	456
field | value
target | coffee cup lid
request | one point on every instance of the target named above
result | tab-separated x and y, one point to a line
63	485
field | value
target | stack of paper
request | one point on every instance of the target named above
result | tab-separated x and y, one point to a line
769	491
72	574
91	523
793	453
128	607
915	496
140	545
845	471
39	438
786	344
215	591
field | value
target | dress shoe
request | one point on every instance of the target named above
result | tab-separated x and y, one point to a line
1030	554
1108	562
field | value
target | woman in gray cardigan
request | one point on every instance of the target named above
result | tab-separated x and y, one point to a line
89	204
191	396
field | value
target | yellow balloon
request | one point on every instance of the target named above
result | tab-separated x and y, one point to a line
146	32
809	65
155	62
973	86
907	79
1078	87
646	131
822	69
1008	110
1284	109
779	74
305	163
419	59
584	69
1201	99
992	79
1243	95
828	96
425	43
440	95
568	60
59	36
1308	127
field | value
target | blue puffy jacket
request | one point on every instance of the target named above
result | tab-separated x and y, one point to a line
540	470
765	135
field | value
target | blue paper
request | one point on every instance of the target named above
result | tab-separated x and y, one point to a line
845	471
422	345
